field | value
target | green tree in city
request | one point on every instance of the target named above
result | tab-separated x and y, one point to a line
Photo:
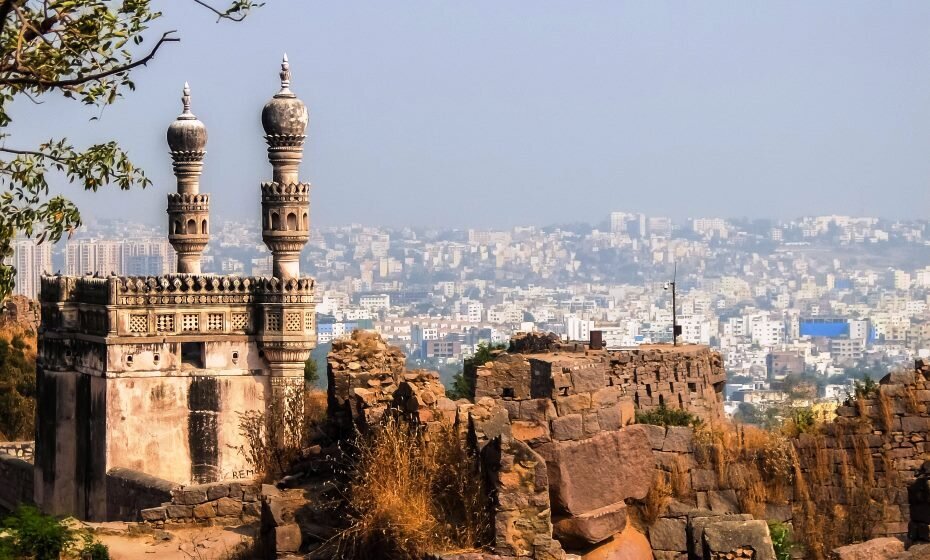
311	376
83	50
462	386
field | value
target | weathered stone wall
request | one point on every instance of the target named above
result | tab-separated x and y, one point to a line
206	503
22	449
688	377
21	312
16	482
129	492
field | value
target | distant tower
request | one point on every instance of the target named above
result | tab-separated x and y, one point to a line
285	200
188	209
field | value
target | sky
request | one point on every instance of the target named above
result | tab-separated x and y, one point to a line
493	114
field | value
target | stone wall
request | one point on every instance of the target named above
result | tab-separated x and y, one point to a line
130	491
689	377
22	449
16	482
208	503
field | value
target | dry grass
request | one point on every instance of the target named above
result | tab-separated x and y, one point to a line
275	437
680	478
657	500
911	404
886	411
409	497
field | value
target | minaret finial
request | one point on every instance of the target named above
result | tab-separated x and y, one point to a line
186	102
285	79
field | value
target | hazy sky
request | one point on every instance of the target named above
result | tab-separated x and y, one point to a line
490	113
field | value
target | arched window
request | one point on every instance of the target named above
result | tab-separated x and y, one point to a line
292	221
191	226
177	227
275	221
203	227
306	224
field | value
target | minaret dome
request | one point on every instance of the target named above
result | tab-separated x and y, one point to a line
285	114
187	133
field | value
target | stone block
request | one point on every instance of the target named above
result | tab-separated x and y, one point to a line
226	507
605	397
656	435
700	519
679	439
154	514
723	501
205	511
537	410
729	537
591	424
532	433
572	404
609	418
914	424
569	427
886	548
669	555
252	509
703	480
627	411
190	496
287	538
217	491
591	527
669	534
589	379
179	512
628	545
600	471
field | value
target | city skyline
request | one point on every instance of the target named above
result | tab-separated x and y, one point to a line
732	111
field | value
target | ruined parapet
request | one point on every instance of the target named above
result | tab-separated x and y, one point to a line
421	398
362	373
20	312
534	343
206	503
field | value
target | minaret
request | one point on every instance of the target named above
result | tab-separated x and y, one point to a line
188	209
285	200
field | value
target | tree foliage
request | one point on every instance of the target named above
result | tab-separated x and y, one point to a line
17	388
83	50
462	386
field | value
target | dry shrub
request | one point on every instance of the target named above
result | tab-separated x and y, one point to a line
409	496
274	437
911	404
657	500
680	478
886	411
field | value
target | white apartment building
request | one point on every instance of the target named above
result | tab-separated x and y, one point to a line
578	329
375	302
30	260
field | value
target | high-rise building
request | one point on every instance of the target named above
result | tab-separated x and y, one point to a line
31	260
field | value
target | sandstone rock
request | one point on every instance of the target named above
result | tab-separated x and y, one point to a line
886	548
190	496
217	491
205	511
603	470
628	545
592	527
669	534
569	427
656	435
530	432
727	537
287	538
154	514
179	512
703	480
228	507
723	501
678	439
699	519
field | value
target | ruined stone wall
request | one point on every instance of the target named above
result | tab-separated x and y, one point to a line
688	377
16	482
207	503
862	465
22	449
129	492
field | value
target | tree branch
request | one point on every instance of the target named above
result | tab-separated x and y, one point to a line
29	81
220	14
31	153
5	12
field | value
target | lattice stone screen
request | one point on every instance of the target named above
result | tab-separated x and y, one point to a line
190	322
240	321
165	323
215	321
138	323
273	322
308	321
294	322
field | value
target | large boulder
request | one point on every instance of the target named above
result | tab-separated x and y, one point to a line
628	545
606	469
886	548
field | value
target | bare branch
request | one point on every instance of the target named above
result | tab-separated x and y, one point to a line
221	15
31	153
5	8
165	38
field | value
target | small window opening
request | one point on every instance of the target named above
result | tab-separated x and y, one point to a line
681	402
692	387
177	227
509	393
192	354
191	227
129	360
563	391
292	221
275	221
203	227
156	357
235	357
661	400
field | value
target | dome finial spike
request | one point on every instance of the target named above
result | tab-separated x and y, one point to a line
285	77
186	99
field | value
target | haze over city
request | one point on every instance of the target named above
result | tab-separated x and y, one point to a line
491	114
